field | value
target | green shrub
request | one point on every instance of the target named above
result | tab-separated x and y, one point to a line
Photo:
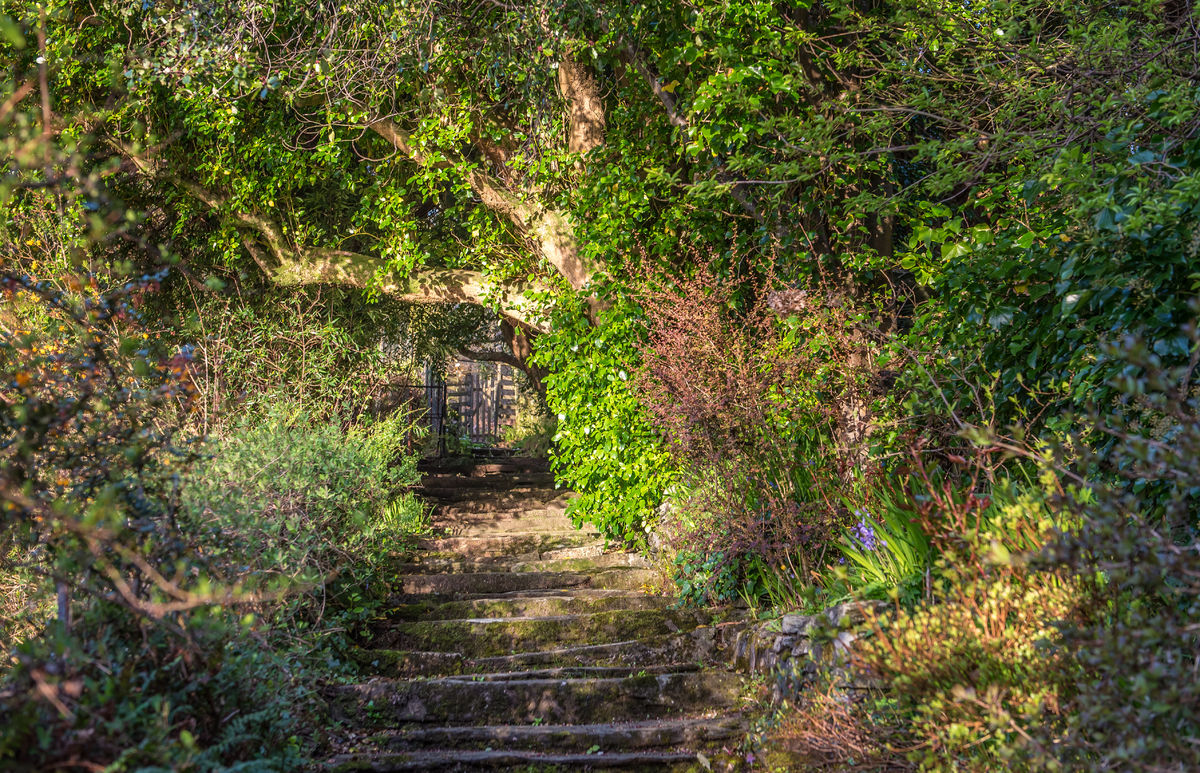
294	502
1060	632
605	447
124	694
280	508
188	646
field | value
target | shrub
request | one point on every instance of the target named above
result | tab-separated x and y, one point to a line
120	694
754	410
157	665
1061	629
1138	553
605	447
292	501
966	674
151	661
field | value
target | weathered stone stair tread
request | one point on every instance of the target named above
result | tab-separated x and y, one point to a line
534	497
578	672
499	582
519	642
483	637
491	523
510	543
484	525
520	564
525	701
519	760
650	734
445	559
583	600
489	466
690	647
515	480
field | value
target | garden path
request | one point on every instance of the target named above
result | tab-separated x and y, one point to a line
518	642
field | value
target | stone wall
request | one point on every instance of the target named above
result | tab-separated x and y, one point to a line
790	649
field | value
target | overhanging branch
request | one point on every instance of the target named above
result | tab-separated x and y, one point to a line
485	356
290	264
424	284
549	230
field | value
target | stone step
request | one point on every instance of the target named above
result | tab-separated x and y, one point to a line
473	511
699	645
525	761
484	637
489	527
481	467
585	672
514	498
458	519
581	601
609	737
512	543
507	503
518	643
441	481
433	563
463	701
446	561
476	583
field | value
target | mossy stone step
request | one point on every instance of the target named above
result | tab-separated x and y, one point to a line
493	524
517	480
581	601
584	672
510	544
476	583
523	761
518	643
457	565
481	467
505	559
485	637
536	497
462	701
650	734
696	646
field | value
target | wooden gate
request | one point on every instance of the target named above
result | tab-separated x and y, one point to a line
483	396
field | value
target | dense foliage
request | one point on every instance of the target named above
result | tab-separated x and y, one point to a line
836	299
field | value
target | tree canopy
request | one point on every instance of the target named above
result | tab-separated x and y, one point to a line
945	174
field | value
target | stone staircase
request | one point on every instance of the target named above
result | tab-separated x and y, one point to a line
519	643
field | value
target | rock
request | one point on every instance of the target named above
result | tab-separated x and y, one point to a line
797	624
783	643
853	613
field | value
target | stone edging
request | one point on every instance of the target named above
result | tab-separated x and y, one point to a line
802	642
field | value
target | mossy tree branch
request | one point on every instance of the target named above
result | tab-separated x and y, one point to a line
287	263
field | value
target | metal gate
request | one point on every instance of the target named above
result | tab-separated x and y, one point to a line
470	402
482	401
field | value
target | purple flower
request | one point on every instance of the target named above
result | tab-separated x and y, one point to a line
864	531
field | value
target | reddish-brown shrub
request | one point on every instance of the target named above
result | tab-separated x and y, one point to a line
749	387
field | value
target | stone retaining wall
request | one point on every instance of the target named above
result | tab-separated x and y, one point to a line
791	648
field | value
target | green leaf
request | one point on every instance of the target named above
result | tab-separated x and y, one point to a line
11	31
